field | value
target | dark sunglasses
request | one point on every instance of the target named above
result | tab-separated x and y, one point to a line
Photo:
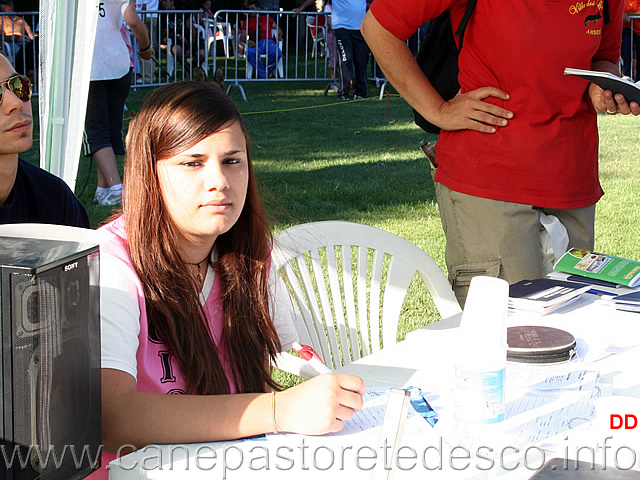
20	85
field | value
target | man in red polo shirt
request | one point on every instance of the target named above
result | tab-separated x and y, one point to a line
521	138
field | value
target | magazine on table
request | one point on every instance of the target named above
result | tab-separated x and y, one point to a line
629	302
600	266
543	295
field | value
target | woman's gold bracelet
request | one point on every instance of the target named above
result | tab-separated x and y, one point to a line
273	413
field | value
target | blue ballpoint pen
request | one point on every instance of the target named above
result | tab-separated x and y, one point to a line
600	293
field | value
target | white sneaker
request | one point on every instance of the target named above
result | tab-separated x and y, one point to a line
100	194
108	197
112	198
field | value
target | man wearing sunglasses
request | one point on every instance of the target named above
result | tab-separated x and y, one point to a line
28	194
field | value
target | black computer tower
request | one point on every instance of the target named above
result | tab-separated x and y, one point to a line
50	424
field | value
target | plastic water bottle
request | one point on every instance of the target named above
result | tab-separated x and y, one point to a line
480	367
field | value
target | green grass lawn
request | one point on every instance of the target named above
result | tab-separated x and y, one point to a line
320	159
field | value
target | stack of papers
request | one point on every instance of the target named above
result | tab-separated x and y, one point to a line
546	402
629	302
544	295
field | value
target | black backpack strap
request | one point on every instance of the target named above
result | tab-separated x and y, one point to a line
465	20
605	12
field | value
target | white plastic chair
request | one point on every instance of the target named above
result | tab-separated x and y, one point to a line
206	38
318	35
222	32
171	59
348	282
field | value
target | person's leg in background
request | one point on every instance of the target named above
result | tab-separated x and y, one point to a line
273	53
344	54
488	237
103	134
263	48
118	95
97	134
332	61
360	61
253	57
331	46
634	60
137	63
148	66
108	174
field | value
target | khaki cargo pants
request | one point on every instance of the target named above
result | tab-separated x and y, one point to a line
501	239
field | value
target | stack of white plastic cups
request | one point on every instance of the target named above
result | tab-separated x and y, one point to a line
480	365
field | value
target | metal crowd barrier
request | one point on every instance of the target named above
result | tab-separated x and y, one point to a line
303	42
632	52
189	45
298	49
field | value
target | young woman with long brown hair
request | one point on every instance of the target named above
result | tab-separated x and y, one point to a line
188	302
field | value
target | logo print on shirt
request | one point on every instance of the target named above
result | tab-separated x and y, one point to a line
167	370
591	20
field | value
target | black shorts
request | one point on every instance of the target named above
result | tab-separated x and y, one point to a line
105	109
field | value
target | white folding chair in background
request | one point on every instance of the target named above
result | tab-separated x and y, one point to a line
224	34
171	59
211	32
318	35
205	39
348	282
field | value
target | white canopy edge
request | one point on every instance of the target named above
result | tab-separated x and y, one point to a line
67	36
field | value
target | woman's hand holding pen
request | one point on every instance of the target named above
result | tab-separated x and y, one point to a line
320	405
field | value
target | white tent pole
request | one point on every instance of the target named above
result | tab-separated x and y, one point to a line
67	36
59	99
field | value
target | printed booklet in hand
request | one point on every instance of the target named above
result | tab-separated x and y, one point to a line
609	81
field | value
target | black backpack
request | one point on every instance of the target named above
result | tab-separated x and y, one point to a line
438	59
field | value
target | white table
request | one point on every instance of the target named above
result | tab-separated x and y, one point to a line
425	359
428	354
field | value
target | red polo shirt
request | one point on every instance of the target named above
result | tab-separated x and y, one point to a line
548	154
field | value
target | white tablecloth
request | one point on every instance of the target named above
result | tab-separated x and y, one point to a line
426	359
